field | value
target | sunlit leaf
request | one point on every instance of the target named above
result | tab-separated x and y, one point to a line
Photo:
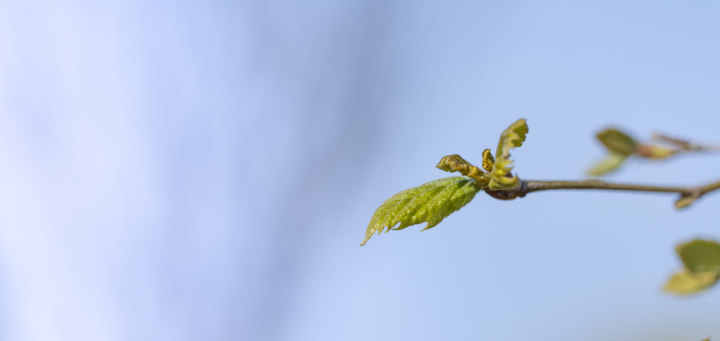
430	202
686	282
700	255
617	141
612	162
512	137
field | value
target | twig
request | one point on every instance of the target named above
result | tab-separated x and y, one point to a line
534	186
687	194
686	146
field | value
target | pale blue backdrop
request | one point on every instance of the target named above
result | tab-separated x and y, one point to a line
178	170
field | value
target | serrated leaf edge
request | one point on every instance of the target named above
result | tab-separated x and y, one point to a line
400	206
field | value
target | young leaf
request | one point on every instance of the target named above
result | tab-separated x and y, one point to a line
512	137
609	164
430	202
617	141
455	163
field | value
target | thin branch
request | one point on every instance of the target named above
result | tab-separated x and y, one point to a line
686	146
455	163
687	194
534	186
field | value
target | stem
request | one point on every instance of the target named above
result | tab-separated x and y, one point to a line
709	187
534	186
687	146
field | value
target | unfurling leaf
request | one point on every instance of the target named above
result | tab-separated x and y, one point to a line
455	163
430	203
513	136
609	164
617	141
488	160
701	260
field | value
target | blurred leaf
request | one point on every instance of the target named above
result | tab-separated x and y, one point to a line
686	282
702	267
512	137
609	164
700	255
430	202
617	141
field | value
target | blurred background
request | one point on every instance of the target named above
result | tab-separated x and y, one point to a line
206	170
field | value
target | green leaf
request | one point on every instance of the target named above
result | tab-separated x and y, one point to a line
617	141
686	282
609	164
700	255
512	137
430	202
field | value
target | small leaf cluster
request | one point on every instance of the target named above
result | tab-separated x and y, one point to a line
622	146
701	267
434	201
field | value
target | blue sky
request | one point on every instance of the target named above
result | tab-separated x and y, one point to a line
206	170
